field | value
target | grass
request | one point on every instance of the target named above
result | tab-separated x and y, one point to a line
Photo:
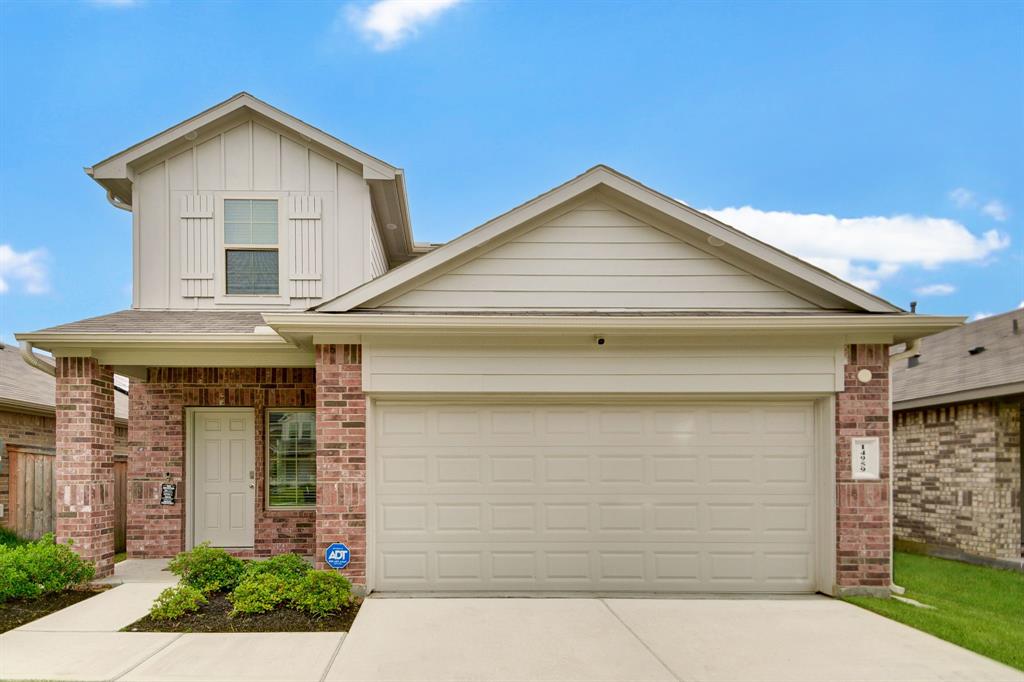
8	538
120	556
978	608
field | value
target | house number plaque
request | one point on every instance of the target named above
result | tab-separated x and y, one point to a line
864	459
167	492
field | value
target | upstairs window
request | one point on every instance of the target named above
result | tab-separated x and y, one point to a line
251	247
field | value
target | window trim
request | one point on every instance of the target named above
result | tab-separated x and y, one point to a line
266	459
221	295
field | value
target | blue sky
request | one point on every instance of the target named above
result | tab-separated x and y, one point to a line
881	141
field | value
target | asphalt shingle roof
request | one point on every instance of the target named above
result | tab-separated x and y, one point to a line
166	322
946	366
20	383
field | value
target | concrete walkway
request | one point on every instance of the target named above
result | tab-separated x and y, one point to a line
811	639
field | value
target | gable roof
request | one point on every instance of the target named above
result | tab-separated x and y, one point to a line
947	372
789	272
386	182
24	388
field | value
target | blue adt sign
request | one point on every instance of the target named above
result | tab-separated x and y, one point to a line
337	555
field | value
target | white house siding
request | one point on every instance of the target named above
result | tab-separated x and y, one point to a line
720	366
249	158
596	257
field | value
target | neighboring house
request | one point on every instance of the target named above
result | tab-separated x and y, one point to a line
957	404
601	389
27	425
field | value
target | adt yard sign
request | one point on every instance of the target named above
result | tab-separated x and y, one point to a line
337	555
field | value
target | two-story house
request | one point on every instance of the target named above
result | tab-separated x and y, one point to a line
599	390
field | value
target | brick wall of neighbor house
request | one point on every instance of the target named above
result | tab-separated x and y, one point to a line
341	455
24	428
958	477
862	507
157	443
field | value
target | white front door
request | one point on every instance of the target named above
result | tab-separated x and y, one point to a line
224	444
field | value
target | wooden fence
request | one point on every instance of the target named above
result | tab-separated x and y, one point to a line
33	493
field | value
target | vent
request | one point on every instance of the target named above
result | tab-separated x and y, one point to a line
976	350
913	361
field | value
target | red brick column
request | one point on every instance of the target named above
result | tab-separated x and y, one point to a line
341	455
864	534
84	475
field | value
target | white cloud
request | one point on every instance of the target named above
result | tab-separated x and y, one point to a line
29	268
388	23
979	316
996	210
866	250
935	290
962	197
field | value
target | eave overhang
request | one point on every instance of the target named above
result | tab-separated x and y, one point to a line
305	329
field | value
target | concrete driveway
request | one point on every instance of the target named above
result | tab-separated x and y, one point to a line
813	639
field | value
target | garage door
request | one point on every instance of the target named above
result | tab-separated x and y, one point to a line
646	498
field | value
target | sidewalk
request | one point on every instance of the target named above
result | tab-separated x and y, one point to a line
83	642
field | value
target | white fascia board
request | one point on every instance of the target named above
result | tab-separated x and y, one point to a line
116	166
856	327
602	176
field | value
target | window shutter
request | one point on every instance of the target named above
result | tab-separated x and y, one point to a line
197	246
305	245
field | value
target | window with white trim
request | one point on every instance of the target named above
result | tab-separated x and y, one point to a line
291	458
251	249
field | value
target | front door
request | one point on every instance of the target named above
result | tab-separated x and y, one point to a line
224	477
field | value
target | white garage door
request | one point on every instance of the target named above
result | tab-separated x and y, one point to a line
649	498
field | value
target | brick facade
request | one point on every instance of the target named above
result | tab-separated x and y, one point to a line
958	477
864	542
84	473
341	455
157	441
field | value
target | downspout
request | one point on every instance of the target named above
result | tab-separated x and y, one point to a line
34	360
117	203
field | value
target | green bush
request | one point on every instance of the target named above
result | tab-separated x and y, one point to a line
259	593
321	593
175	602
288	567
208	569
41	567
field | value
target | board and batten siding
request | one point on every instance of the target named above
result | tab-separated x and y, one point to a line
622	365
595	257
323	204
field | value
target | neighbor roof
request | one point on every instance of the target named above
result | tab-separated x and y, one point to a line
25	388
727	240
164	322
947	371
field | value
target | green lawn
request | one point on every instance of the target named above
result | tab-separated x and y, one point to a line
981	609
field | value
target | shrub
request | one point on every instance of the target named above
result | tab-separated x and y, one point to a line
321	593
10	539
288	567
208	569
175	602
41	567
259	593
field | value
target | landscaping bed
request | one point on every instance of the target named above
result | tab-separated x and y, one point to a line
17	612
216	616
220	593
976	607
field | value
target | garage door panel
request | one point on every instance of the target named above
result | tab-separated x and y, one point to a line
655	497
595	517
607	566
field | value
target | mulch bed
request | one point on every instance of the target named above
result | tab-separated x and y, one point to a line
213	617
17	612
